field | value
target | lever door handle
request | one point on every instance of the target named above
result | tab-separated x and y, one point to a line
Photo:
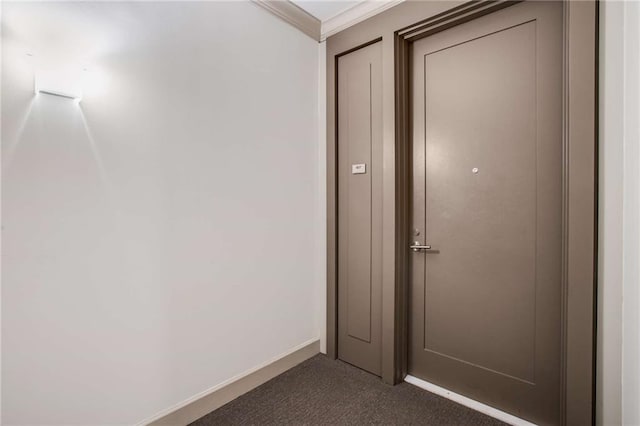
417	247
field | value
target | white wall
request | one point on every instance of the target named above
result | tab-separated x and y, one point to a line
609	349
631	219
159	237
618	379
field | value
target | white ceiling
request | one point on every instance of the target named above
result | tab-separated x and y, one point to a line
325	9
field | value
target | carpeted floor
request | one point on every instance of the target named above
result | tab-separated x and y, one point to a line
321	391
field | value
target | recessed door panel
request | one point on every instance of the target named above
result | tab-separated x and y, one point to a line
359	207
481	201
487	175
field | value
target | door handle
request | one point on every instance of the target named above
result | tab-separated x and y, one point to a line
417	247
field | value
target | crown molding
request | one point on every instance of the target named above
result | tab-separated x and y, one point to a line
294	15
353	15
320	30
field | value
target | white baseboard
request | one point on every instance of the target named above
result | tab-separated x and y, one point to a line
215	397
468	402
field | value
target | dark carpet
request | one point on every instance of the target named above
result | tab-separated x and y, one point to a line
321	391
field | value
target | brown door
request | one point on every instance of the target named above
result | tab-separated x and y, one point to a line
360	207
487	182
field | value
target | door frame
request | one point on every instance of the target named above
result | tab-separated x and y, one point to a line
398	28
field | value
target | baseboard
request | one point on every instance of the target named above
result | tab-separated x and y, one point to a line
468	402
214	398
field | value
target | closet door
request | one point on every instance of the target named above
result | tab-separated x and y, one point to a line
360	207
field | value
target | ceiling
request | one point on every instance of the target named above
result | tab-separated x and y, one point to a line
325	9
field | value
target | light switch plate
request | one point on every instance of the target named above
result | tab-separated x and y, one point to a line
358	169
